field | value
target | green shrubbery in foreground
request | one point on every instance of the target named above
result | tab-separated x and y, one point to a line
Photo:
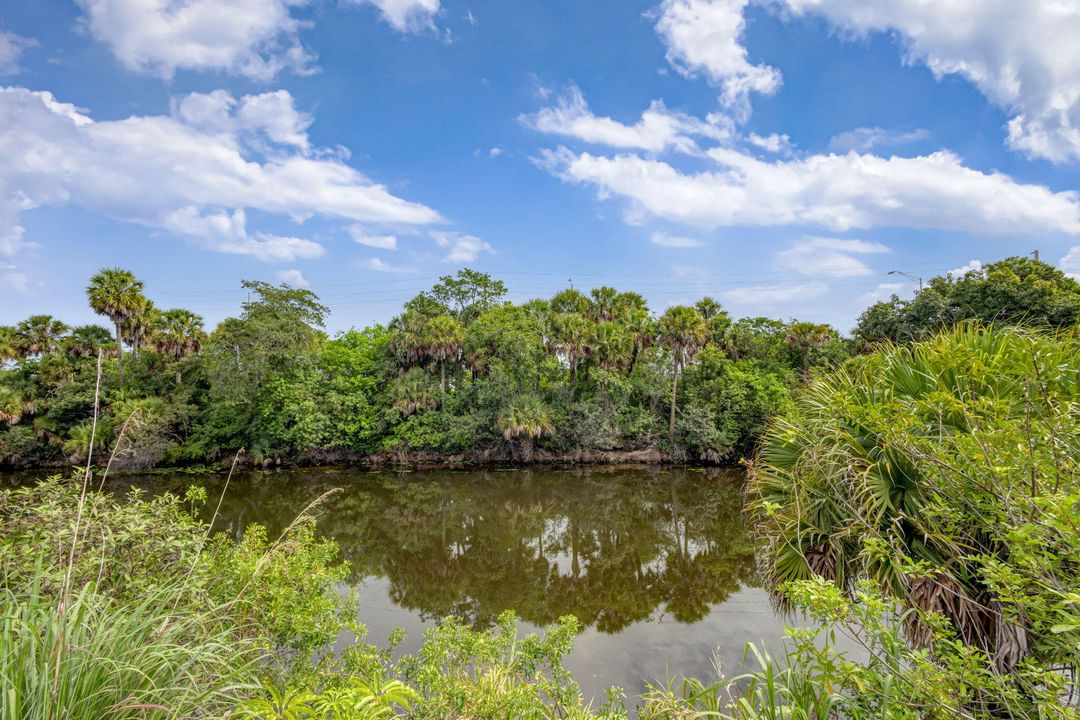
922	500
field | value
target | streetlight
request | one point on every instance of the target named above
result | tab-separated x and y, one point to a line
909	277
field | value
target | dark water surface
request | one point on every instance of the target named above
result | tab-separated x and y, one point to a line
655	563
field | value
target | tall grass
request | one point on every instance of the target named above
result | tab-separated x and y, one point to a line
96	658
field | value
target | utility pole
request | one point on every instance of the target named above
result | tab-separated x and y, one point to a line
909	277
1035	254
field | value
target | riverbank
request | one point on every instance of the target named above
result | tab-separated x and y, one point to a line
417	460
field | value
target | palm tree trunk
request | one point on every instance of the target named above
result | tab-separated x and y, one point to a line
674	389
442	378
119	355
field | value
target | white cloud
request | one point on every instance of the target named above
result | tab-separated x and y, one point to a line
703	36
773	143
267	117
293	277
195	172
965	269
832	257
1024	55
673	241
863	139
882	292
495	152
658	129
254	38
227	233
379	266
768	294
406	15
11	49
1070	264
361	236
12	279
463	248
838	192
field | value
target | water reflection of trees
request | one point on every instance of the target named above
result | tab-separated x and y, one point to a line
610	547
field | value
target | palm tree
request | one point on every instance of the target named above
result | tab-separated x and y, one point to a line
38	335
406	339
573	334
708	307
140	325
116	294
804	337
683	330
8	349
178	332
526	418
908	449
444	337
12	405
86	340
413	392
569	301
604	304
84	436
641	327
612	346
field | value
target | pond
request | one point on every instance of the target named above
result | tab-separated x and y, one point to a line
656	563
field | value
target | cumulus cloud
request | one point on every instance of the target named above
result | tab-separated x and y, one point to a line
773	143
406	15
361	236
253	38
864	139
965	269
658	128
462	248
703	37
771	294
837	192
208	163
379	266
832	257
270	116
673	241
292	277
227	232
882	292
11	49
1070	264
1024	56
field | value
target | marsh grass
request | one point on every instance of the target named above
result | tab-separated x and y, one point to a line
97	658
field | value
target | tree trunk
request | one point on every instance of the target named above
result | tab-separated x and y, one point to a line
674	388
178	378
119	355
442	378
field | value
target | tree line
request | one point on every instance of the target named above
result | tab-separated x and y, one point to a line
460	373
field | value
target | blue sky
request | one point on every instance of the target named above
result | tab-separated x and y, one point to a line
781	156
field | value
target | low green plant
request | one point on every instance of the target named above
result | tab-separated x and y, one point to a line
89	657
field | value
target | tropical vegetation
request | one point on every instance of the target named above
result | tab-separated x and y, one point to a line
460	375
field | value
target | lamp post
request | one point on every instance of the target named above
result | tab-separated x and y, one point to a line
909	277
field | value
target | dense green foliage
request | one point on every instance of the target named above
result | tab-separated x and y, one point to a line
460	373
1015	291
941	479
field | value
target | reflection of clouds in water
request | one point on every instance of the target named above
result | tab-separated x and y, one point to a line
650	652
